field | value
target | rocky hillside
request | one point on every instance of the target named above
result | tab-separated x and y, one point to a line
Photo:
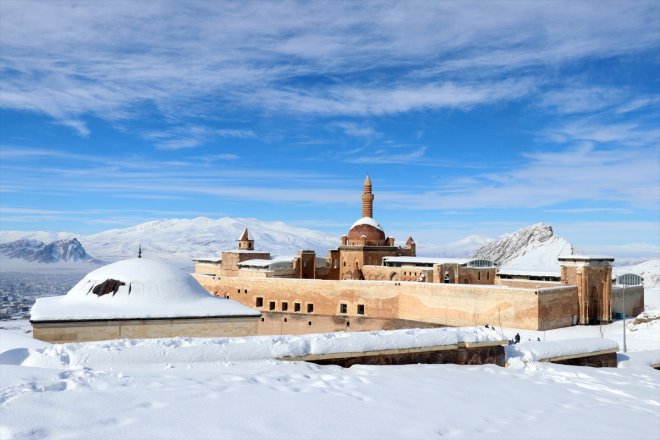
70	251
534	247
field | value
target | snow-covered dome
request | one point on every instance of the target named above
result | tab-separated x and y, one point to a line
133	289
366	227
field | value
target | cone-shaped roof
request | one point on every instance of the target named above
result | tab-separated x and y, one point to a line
246	235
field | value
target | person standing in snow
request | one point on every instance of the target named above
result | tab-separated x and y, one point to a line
517	338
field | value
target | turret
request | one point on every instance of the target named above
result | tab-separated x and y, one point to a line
246	242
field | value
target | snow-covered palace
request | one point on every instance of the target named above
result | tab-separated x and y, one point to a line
370	283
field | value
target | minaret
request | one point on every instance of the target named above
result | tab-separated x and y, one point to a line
367	199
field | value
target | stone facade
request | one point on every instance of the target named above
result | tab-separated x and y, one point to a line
433	303
479	355
83	331
301	323
606	359
593	278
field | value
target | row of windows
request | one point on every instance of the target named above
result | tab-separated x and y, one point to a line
309	323
297	307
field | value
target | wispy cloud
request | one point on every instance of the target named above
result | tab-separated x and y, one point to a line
581	99
109	60
357	130
548	179
388	156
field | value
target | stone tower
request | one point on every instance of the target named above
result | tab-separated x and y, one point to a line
367	199
593	278
246	242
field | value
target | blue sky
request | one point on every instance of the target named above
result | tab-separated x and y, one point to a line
470	117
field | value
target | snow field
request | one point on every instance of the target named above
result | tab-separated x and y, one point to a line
179	388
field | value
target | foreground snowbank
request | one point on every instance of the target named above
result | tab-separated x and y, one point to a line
187	350
181	388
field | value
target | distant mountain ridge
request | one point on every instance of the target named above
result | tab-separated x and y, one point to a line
68	250
533	247
180	240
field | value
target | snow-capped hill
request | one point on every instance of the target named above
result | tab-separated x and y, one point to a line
23	249
649	270
185	239
534	247
63	250
69	250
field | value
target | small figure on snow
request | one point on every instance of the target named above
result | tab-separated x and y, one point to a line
517	338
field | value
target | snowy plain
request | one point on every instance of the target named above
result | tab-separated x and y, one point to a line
179	388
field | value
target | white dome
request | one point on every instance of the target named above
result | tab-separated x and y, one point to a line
142	279
367	221
134	289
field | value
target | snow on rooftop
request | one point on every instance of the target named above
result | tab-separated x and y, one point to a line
521	272
367	221
260	262
585	257
538	351
134	289
429	260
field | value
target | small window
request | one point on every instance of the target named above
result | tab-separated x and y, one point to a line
309	323
343	308
304	263
296	307
262	319
310	309
238	290
245	291
286	320
285	306
360	309
259	302
348	324
271	305
487	275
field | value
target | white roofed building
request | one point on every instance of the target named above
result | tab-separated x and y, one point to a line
138	298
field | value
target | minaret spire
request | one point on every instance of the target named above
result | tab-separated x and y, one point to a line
367	199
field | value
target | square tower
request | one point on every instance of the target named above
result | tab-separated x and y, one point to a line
593	278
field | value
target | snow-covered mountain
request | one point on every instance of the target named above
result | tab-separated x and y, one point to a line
534	247
68	250
201	237
178	240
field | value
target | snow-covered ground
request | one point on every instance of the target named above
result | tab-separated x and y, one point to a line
180	388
